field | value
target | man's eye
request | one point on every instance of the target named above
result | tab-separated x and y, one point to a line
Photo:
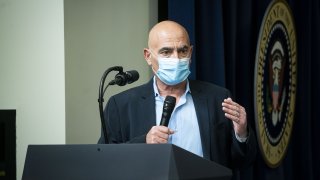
184	51
165	53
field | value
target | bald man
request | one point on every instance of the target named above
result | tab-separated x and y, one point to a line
205	120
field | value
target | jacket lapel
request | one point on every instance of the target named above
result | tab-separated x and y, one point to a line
147	106
201	107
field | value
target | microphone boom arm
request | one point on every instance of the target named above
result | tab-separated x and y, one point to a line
101	100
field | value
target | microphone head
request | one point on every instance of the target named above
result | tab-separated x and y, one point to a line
128	77
168	107
170	101
132	76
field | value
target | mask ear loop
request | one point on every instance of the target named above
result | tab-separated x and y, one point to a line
189	54
151	64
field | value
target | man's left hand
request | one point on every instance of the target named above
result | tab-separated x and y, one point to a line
237	114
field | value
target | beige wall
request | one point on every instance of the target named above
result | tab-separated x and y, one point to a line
52	56
100	34
32	71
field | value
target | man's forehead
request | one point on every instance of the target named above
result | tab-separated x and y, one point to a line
168	41
168	34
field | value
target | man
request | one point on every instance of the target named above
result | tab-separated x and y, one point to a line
205	120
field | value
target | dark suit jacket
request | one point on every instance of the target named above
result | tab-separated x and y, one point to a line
130	115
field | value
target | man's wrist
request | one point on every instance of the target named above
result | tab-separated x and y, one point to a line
242	138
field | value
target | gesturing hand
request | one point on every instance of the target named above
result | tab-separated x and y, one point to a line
237	114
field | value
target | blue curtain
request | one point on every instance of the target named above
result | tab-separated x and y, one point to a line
224	34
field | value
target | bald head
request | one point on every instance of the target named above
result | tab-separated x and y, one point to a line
167	31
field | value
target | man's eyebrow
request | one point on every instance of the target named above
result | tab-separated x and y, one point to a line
183	47
166	49
171	48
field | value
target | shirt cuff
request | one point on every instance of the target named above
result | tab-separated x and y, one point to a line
241	139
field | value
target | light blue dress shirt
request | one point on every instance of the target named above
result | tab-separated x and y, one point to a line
183	121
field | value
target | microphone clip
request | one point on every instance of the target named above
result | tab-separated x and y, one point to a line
123	78
120	79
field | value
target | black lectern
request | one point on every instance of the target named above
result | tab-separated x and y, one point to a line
118	161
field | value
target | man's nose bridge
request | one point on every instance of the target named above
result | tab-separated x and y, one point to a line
175	53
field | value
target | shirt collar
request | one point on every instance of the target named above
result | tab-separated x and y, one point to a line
156	91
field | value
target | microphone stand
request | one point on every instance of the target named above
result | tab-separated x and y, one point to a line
101	100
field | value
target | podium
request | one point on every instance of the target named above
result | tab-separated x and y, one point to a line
118	161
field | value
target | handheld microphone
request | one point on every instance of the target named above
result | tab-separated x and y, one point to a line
168	107
123	78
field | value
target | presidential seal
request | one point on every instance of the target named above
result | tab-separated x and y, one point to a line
275	82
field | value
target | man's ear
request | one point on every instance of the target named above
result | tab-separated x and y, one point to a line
191	50
147	56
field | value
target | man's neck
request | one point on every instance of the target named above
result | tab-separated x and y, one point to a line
176	90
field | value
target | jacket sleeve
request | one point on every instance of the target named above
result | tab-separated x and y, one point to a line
243	153
116	126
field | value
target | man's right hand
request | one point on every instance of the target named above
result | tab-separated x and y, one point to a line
158	135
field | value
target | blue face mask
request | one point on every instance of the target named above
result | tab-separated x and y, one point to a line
173	71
